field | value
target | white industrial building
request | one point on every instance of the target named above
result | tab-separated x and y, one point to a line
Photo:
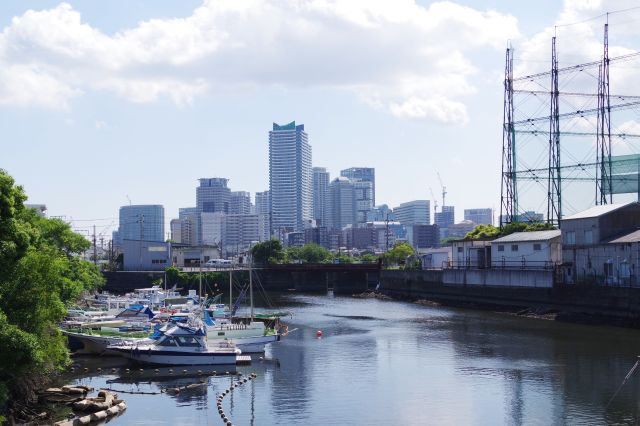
527	250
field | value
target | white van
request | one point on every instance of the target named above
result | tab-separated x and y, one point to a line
218	263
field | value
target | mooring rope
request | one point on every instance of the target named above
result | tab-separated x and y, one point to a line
626	378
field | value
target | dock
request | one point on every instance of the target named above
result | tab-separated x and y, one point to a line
243	360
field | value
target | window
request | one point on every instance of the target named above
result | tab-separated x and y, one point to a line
514	247
167	342
188	341
588	236
500	247
459	249
537	247
570	238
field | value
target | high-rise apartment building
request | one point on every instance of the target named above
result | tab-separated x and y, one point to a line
141	222
176	230
342	206
213	226
290	178
189	225
479	216
263	202
320	194
240	202
366	174
417	212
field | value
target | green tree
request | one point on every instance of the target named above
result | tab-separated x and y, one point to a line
268	252
368	257
398	253
314	253
491	232
40	275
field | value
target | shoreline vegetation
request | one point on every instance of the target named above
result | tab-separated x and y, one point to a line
41	274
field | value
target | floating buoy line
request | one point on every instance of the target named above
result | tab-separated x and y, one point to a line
225	392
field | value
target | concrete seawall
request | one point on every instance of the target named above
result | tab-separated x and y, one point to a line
615	303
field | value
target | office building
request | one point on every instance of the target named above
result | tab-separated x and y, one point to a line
290	178
320	195
242	230
366	174
363	198
213	226
240	202
318	235
380	213
141	222
263	203
424	236
341	203
444	219
479	216
41	209
416	212
213	195
460	229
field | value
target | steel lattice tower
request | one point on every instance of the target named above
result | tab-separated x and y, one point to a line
604	183
508	195
554	183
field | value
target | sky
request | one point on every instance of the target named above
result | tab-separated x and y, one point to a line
106	103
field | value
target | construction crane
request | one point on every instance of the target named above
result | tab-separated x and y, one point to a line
444	189
435	201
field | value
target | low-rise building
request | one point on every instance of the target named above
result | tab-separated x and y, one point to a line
435	258
527	250
601	244
191	256
143	255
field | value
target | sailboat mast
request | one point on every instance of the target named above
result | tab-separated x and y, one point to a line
251	285
230	291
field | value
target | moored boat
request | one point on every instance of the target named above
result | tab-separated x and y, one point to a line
179	344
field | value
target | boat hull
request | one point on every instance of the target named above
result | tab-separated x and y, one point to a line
252	345
156	357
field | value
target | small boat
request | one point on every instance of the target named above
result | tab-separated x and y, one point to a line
179	344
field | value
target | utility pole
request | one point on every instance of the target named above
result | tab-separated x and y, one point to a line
95	249
387	230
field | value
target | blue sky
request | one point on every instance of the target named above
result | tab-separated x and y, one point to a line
100	101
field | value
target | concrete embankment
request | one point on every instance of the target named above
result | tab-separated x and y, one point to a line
534	292
341	278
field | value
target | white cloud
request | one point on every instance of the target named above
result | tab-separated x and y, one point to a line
409	59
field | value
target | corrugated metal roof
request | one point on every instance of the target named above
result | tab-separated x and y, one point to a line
632	237
529	236
596	211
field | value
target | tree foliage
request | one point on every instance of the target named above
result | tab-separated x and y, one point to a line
268	252
40	276
492	232
398	253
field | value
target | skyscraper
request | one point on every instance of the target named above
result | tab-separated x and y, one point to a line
479	216
213	195
189	225
141	222
342	204
263	202
366	174
240	202
320	193
444	219
415	212
290	178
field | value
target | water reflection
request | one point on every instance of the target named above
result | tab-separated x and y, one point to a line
388	362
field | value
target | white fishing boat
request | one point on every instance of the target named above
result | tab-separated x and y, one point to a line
179	344
96	342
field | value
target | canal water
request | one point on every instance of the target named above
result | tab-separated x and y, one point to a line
387	362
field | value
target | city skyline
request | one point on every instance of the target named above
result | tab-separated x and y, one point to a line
137	128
